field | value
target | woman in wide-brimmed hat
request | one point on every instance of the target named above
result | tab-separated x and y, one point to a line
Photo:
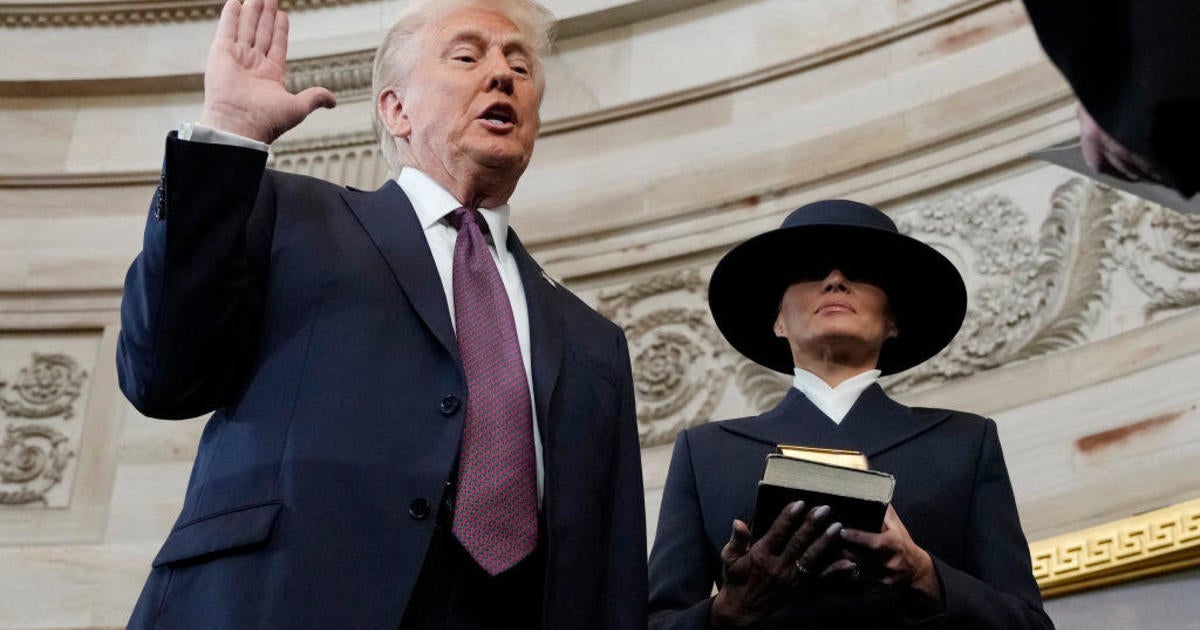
837	297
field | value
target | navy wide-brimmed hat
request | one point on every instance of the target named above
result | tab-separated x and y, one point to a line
926	292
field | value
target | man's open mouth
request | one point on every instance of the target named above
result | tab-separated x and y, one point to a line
500	114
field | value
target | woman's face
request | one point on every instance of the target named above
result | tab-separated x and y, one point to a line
835	318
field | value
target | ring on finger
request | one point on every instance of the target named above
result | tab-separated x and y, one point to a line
802	571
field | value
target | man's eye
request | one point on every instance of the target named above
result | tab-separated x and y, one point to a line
465	58
520	69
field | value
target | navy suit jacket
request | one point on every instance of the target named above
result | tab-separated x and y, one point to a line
952	494
312	319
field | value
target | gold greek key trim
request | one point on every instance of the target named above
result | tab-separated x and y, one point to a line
1140	546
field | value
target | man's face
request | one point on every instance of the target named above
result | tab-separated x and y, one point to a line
471	98
834	312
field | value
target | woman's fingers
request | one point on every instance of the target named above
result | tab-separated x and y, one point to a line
804	537
776	538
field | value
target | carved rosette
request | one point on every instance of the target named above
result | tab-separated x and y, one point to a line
46	389
32	461
679	358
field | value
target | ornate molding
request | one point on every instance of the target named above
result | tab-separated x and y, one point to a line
45	389
352	159
74	14
680	366
1148	544
32	460
1035	295
347	74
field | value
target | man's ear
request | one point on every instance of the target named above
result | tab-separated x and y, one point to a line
392	114
780	331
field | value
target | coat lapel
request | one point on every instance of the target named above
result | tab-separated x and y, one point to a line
545	329
877	423
389	219
874	424
793	421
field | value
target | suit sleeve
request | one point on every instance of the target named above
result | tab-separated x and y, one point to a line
1132	65
996	590
682	572
628	510
194	295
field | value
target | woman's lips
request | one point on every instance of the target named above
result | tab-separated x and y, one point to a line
836	307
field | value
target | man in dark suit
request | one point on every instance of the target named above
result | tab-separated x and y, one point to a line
838	297
1133	66
414	425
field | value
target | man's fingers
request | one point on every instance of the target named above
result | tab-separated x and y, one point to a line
248	22
781	529
279	39
266	26
227	26
317	97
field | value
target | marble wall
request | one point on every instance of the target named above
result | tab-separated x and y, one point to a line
673	129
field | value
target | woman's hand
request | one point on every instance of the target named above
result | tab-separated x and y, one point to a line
890	558
758	575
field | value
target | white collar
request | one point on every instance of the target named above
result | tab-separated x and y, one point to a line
834	402
432	202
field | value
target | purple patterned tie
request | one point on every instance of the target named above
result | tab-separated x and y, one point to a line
495	515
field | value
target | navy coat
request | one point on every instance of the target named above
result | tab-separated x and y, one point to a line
952	494
312	319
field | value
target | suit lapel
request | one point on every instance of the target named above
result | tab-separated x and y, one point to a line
545	329
874	424
389	219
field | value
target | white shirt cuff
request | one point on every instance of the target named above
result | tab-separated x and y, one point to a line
196	132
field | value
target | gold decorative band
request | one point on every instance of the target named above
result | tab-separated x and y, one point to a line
1147	544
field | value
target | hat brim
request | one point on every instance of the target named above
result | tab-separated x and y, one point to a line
925	291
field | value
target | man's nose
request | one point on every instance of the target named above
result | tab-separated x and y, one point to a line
835	281
501	77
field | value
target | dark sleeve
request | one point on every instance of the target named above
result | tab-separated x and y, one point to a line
194	295
996	589
682	572
1132	64
628	511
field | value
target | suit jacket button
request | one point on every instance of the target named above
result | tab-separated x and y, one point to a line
418	509
450	404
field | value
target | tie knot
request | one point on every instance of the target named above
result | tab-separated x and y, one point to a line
458	216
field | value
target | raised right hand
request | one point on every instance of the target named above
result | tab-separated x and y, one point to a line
243	80
758	576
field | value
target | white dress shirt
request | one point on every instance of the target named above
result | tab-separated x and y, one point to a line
834	402
432	203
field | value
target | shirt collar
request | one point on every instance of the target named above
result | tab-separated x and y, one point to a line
432	202
834	401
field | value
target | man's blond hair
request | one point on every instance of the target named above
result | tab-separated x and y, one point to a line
398	51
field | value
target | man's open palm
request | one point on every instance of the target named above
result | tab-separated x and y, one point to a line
243	80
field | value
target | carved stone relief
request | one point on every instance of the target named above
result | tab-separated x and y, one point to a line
32	460
1031	292
40	439
45	389
1031	296
681	364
